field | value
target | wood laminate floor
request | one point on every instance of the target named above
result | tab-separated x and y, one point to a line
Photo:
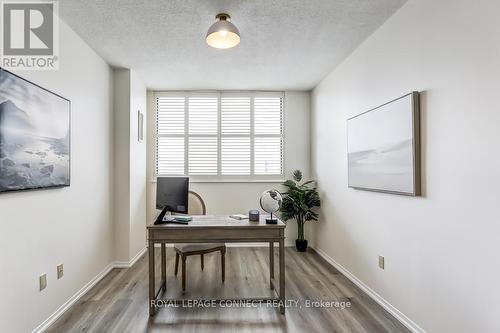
118	303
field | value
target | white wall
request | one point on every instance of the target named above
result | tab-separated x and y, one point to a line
73	225
138	182
130	166
231	198
121	163
441	250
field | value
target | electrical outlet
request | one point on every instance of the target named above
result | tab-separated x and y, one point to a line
43	281
381	262
60	271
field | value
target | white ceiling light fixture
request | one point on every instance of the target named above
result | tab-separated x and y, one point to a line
223	34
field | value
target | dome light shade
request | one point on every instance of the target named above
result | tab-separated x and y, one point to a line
223	34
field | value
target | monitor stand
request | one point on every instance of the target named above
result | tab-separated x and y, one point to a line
159	219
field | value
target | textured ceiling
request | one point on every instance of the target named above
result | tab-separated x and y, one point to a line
285	44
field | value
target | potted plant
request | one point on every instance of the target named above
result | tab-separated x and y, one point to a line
299	200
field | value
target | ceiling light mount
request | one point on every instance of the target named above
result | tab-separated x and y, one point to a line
223	17
223	34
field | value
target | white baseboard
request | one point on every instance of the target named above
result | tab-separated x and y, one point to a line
401	317
115	264
73	299
128	264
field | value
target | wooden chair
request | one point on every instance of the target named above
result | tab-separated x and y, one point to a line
197	207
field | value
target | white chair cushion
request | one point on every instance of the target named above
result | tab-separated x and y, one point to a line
197	246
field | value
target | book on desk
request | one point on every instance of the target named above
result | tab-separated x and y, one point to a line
175	219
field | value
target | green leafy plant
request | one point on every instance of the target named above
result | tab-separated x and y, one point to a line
299	201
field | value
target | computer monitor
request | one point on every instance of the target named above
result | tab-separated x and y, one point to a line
172	194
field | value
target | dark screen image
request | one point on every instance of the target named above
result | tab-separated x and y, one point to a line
172	192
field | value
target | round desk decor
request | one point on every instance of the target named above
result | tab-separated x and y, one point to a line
270	202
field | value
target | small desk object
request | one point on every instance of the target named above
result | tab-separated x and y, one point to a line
217	229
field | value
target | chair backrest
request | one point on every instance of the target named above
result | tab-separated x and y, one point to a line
196	204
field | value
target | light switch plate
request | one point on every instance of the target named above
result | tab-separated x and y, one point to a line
60	271
381	262
43	281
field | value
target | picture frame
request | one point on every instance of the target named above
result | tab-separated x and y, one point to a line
383	148
140	124
35	136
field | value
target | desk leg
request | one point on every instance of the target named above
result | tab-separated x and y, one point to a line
282	273
163	267
271	264
151	253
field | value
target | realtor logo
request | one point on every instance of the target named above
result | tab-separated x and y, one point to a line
29	35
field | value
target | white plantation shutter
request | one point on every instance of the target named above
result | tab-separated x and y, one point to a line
235	157
217	135
170	156
170	115
235	115
202	133
203	115
268	137
268	115
235	135
202	156
170	120
268	156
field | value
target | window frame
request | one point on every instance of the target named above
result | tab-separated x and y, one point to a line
219	95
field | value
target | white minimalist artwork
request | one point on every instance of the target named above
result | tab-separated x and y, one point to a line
140	126
383	148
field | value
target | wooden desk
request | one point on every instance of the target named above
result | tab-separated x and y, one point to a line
217	229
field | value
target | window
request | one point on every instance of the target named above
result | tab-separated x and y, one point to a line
220	135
